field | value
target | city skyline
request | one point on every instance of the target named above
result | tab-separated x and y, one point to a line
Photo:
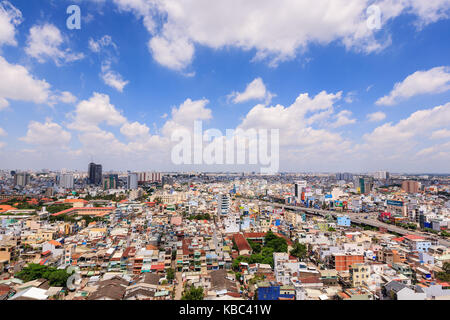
351	100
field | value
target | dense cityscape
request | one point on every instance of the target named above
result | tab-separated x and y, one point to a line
97	235
215	159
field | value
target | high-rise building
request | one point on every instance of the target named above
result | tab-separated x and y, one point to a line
381	175
363	184
223	204
95	174
22	179
149	177
110	181
66	180
299	187
410	186
132	181
344	176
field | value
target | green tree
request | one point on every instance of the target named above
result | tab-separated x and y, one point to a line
56	277
193	293
170	274
256	247
445	274
300	251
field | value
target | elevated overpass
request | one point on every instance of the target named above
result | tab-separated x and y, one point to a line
356	218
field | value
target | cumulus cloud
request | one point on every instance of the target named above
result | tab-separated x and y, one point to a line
185	115
376	116
293	121
112	78
135	129
404	132
435	80
108	75
2	132
48	134
343	118
277	31
10	17
255	90
441	134
16	83
44	42
90	113
103	42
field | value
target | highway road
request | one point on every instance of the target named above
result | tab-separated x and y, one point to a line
359	218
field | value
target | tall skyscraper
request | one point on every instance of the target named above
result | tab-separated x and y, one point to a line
299	188
132	181
344	176
22	179
364	185
149	177
381	175
66	180
110	181
223	204
410	186
95	174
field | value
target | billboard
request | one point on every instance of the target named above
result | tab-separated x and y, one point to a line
395	203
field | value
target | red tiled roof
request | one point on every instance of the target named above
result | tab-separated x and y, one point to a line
254	234
241	243
157	267
413	237
99	209
55	243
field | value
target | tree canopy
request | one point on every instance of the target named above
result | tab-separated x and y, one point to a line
445	274
56	277
193	293
299	251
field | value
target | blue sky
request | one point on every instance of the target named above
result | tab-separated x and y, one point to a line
137	70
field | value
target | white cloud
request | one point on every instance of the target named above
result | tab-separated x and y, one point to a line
109	76
10	17
276	30
105	41
67	97
16	83
435	80
350	97
112	78
90	113
255	90
2	132
48	134
175	53
44	43
293	121
402	133
343	118
186	114
441	134
426	11
135	129
376	116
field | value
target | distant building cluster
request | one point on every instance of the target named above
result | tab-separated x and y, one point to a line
155	236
